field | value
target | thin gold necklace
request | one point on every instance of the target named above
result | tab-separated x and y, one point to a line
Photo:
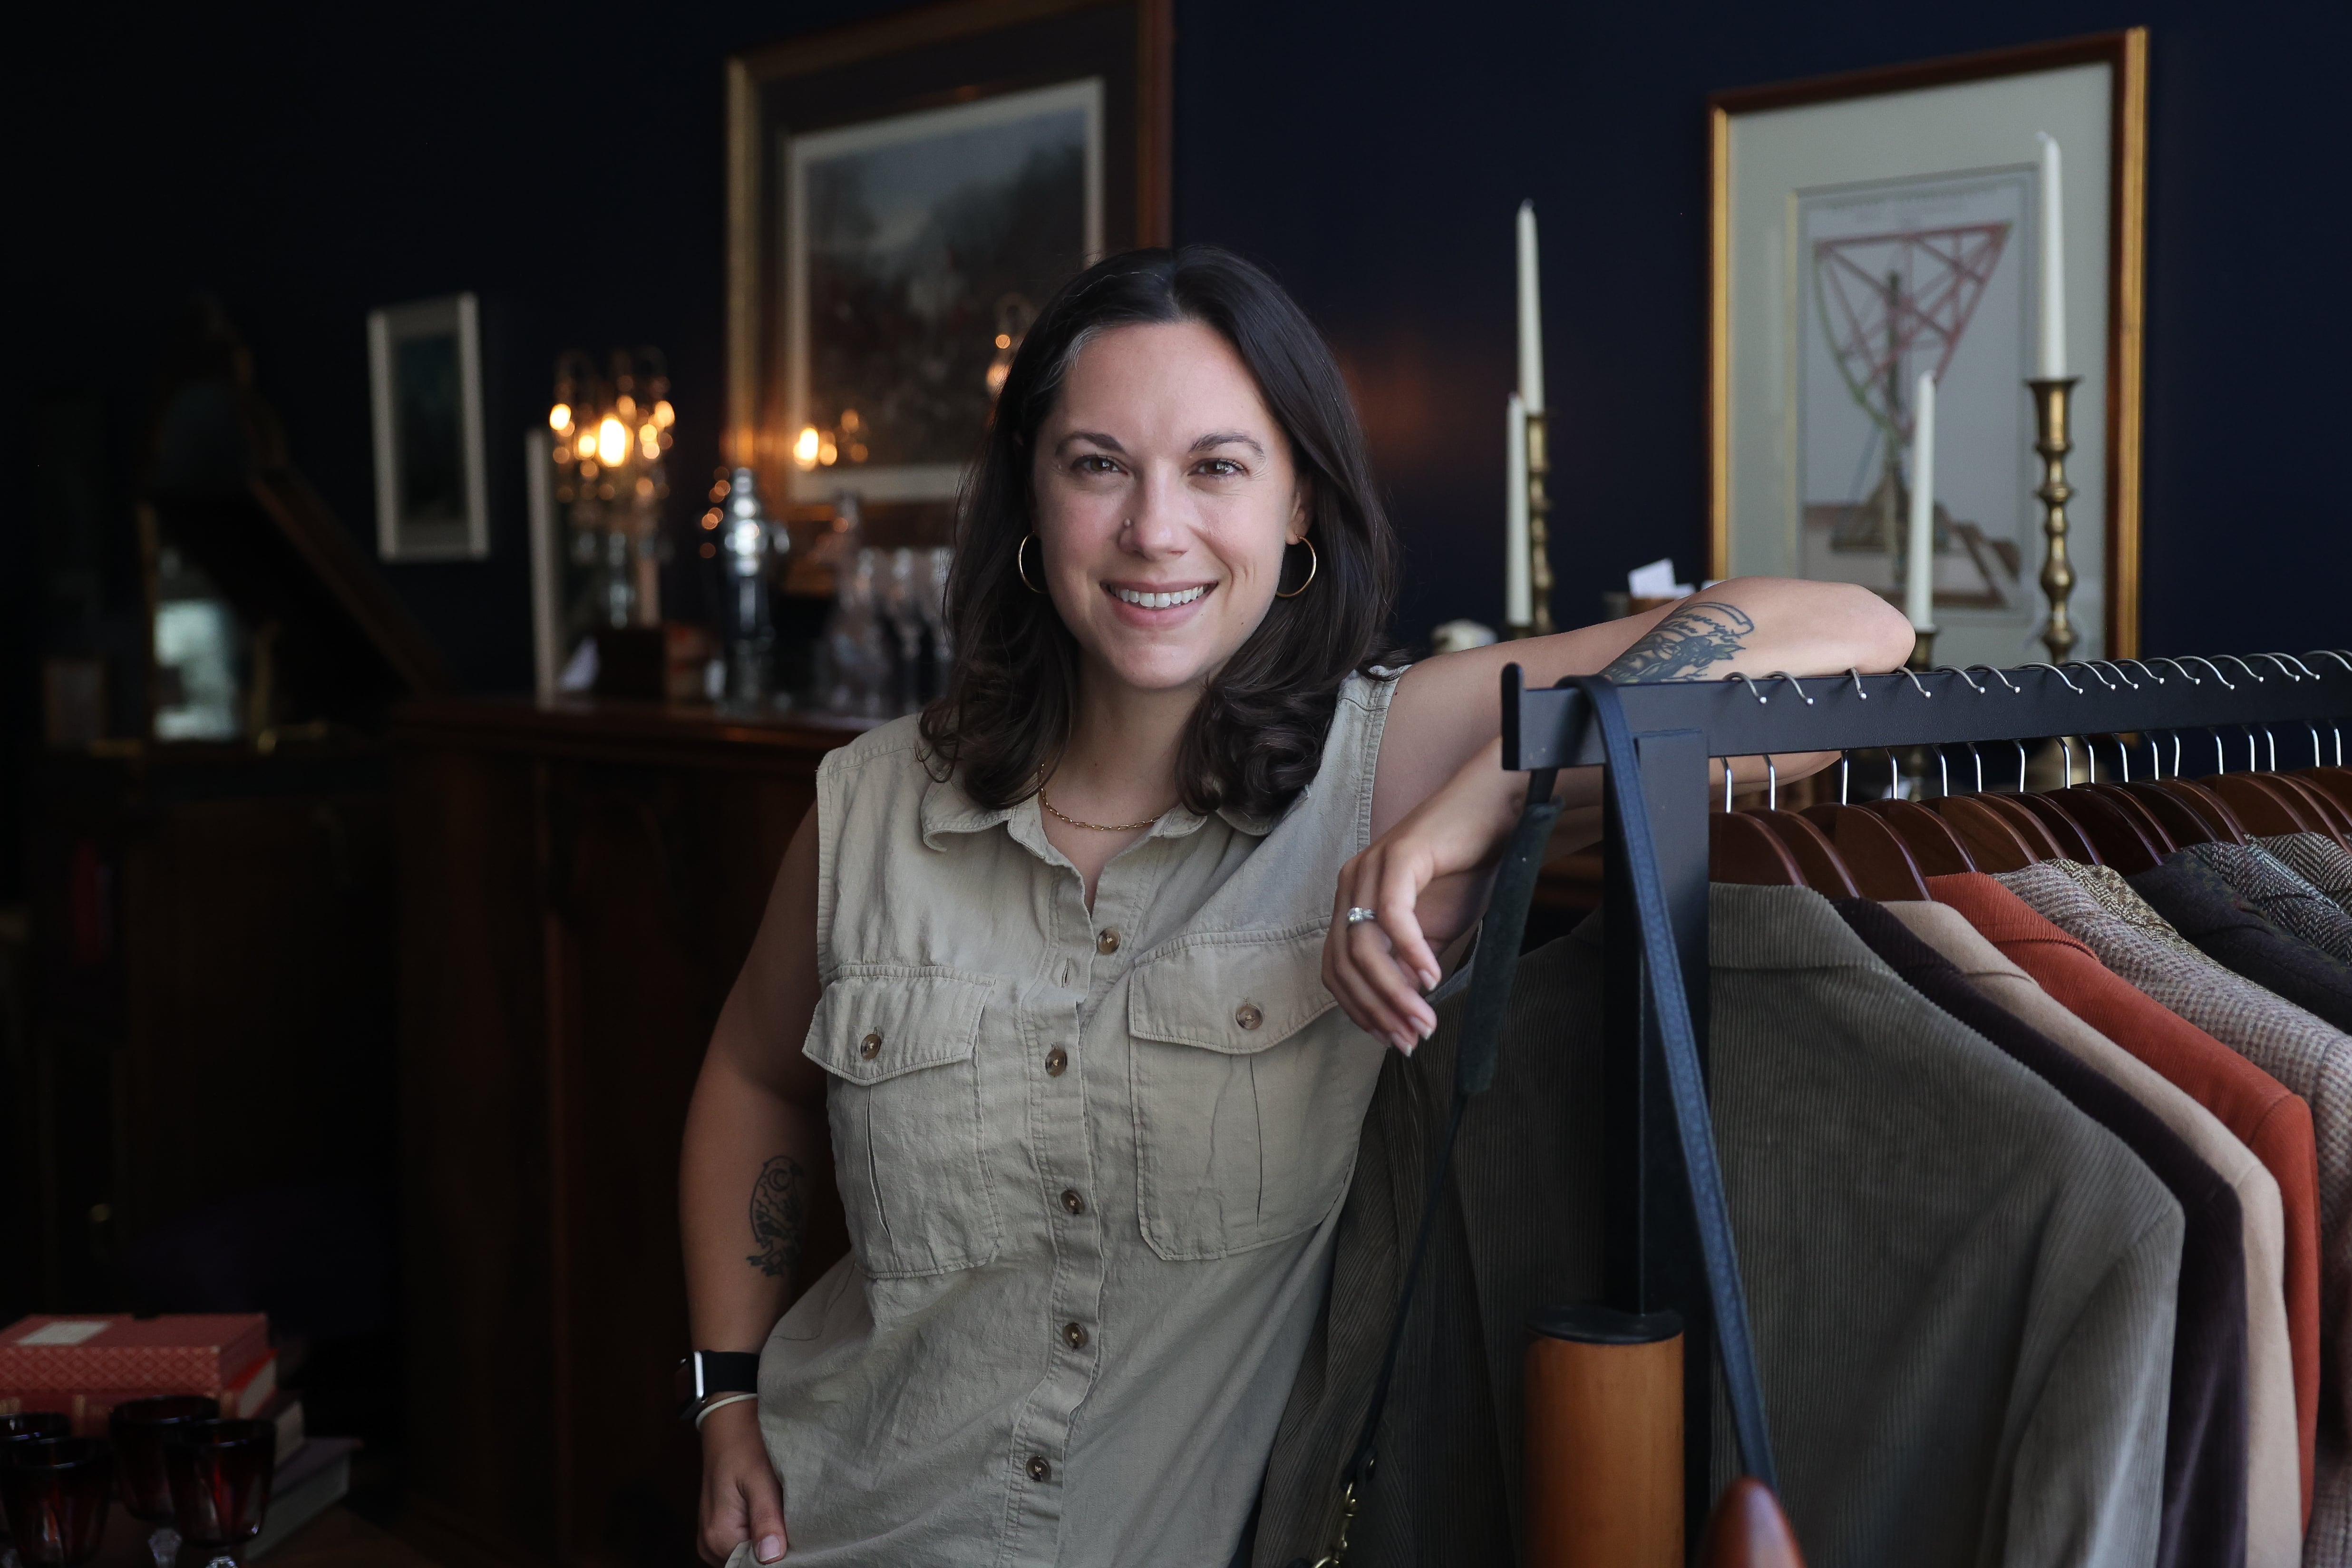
1046	801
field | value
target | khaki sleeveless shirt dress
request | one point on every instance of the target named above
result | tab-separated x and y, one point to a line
1092	1161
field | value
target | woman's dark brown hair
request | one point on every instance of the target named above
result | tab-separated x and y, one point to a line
1256	738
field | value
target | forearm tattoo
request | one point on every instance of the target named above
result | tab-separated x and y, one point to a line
776	1211
1686	644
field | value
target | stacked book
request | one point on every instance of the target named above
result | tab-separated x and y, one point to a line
83	1366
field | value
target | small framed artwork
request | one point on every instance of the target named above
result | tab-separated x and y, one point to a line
904	195
1871	229
424	366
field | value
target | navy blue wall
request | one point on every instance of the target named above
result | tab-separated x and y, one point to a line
305	165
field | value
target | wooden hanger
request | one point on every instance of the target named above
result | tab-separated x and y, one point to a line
1879	861
2073	842
1991	843
2180	822
1825	869
2112	831
2146	820
2334	782
2211	807
1933	844
2262	809
2040	843
1741	850
2335	822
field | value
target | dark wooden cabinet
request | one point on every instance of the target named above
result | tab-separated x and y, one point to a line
213	948
578	889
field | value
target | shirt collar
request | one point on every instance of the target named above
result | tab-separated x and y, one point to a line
946	809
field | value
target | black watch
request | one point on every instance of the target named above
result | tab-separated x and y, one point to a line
704	1376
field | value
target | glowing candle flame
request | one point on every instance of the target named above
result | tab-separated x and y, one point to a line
611	441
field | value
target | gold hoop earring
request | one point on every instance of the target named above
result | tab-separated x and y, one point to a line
1021	565
1314	563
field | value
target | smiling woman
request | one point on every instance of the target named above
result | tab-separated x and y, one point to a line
1173	428
1093	968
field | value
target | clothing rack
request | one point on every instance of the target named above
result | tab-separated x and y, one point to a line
2297	705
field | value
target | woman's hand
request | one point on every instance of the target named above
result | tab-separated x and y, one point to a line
741	1499
1424	877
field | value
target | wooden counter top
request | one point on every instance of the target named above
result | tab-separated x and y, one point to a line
609	727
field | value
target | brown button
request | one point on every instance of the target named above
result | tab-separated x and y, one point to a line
1057	1062
871	1046
1039	1470
1248	1017
1075	1335
1072	1201
1107	943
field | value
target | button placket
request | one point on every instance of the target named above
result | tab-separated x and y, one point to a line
1065	1155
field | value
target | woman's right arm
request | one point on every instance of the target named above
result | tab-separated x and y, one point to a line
755	1181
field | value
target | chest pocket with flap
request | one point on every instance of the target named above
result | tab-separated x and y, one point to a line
1246	1111
899	1042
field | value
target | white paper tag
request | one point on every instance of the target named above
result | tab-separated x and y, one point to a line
67	1332
1655	581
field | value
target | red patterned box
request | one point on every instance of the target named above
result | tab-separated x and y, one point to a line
187	1354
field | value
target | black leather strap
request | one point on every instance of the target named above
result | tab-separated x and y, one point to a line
1479	1045
704	1374
1663	972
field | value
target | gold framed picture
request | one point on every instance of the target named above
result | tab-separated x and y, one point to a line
904	194
1871	228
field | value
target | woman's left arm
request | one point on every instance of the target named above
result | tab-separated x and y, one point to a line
1443	806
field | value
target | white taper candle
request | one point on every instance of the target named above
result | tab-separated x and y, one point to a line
1919	578
1531	385
1518	599
2053	263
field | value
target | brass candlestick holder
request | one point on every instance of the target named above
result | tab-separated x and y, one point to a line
2053	439
1539	528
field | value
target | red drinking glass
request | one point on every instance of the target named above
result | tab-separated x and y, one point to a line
55	1490
137	1428
220	1473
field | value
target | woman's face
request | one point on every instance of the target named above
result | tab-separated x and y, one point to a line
1166	495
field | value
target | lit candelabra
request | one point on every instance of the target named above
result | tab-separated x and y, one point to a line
611	433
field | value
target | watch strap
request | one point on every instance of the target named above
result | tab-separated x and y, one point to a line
704	1376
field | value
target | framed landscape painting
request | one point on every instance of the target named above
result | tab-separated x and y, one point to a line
1871	227
905	195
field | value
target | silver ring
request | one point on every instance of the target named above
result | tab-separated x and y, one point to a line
1359	914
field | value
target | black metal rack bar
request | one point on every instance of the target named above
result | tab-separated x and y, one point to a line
1652	1258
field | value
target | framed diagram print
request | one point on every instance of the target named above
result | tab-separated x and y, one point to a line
1871	228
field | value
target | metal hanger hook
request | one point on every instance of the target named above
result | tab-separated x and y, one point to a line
2331	653
1845	776
1975	755
2066	745
1784	675
2021	764
1943	773
2248	668
2216	669
1760	698
1859	693
2084	664
1964	675
1726	784
1914	683
2145	670
2002	675
2118	669
1771	785
2279	659
2182	670
2060	675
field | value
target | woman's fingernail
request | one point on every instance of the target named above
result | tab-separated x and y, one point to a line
1427	1030
1429	979
770	1550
